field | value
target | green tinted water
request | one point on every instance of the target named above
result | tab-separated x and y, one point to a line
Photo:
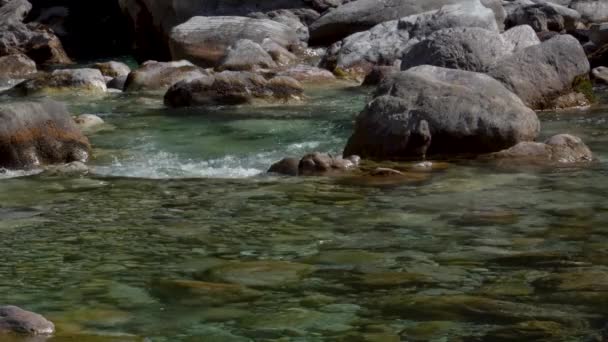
175	236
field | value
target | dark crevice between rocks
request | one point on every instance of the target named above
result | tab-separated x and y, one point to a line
88	29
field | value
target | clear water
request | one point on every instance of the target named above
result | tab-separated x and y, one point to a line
177	235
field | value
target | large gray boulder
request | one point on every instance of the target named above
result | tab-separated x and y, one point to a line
385	43
205	40
159	76
153	20
542	73
361	15
542	16
18	321
33	134
429	111
468	48
232	88
559	149
89	81
591	10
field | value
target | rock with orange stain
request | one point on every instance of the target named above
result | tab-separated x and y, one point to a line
33	134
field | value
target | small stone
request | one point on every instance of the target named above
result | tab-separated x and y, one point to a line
88	122
267	273
113	69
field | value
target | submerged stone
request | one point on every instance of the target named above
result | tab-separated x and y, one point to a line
267	273
192	292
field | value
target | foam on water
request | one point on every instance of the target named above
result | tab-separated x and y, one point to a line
6	174
154	164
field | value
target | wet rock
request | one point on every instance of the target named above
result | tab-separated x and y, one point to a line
16	320
246	55
385	172
324	163
16	67
88	81
261	273
39	133
205	40
347	259
385	44
88	122
117	82
308	74
285	166
407	121
540	74
192	292
362	15
473	308
559	149
544	16
113	69
600	74
153	75
232	88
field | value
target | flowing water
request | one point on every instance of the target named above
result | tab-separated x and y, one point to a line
177	235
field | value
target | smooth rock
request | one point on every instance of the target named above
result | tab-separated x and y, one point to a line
559	149
16	320
232	88
600	74
87	81
117	83
159	76
541	73
246	55
39	133
113	69
205	40
436	111
88	122
316	163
